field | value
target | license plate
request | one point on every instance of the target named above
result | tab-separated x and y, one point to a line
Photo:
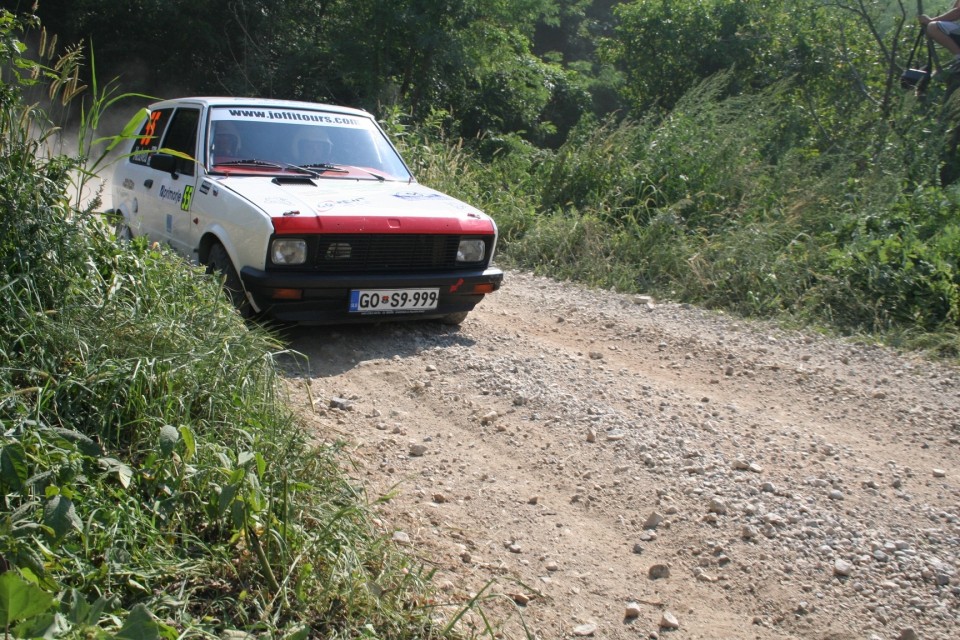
393	300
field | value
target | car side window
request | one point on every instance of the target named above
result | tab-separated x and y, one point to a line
150	135
182	136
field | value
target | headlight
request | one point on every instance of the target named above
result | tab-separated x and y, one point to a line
471	250
288	251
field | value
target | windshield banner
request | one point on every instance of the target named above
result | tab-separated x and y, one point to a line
291	116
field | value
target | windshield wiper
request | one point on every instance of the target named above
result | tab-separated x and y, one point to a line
339	168
325	166
249	161
254	162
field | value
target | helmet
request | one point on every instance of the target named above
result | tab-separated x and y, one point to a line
226	142
312	145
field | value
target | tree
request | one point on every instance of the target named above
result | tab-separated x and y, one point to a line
471	58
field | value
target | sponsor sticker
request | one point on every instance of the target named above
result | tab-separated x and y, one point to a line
170	194
187	197
417	196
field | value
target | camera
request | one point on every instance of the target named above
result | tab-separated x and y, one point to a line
911	78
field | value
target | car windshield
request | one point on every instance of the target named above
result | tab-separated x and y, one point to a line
328	141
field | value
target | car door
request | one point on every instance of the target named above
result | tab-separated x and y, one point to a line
177	171
139	179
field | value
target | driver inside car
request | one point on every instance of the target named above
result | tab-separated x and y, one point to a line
226	142
313	147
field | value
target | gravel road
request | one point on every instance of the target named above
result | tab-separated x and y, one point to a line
602	465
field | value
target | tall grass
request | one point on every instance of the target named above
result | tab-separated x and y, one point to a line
743	203
154	484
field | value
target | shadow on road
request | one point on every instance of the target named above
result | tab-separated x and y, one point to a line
317	352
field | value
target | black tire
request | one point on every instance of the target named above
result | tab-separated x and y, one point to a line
219	263
121	230
455	319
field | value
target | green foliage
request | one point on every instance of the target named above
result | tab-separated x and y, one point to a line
470	57
898	268
149	470
728	202
666	47
20	601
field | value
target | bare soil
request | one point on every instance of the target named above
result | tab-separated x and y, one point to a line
599	465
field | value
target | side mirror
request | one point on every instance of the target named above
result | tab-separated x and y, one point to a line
163	162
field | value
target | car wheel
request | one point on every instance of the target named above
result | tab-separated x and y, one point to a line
454	318
219	263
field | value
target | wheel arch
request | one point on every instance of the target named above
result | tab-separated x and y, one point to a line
206	243
121	211
213	237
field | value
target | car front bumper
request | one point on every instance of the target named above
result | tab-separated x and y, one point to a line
312	298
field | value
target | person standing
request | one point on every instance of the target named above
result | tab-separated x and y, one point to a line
941	28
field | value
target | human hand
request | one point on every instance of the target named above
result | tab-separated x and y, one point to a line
924	19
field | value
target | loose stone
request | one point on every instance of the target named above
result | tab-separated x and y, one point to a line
842	568
341	403
653	521
908	634
718	506
417	450
669	621
658	572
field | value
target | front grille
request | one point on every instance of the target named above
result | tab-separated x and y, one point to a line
370	253
365	253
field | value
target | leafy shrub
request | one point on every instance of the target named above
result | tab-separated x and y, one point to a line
731	202
153	483
898	267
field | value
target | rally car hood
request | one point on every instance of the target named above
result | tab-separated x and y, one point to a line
357	206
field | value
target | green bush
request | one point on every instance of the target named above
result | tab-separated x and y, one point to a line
731	202
154	484
898	266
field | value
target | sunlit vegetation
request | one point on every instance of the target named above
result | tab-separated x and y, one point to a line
154	484
754	157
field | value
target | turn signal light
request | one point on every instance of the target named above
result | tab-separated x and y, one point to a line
288	294
483	288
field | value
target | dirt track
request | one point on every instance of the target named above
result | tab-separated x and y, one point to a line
616	467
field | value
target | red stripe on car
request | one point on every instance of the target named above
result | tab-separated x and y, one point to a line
295	225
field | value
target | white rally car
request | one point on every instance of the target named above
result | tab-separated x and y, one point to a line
307	210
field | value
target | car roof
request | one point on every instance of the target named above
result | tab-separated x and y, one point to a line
263	103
